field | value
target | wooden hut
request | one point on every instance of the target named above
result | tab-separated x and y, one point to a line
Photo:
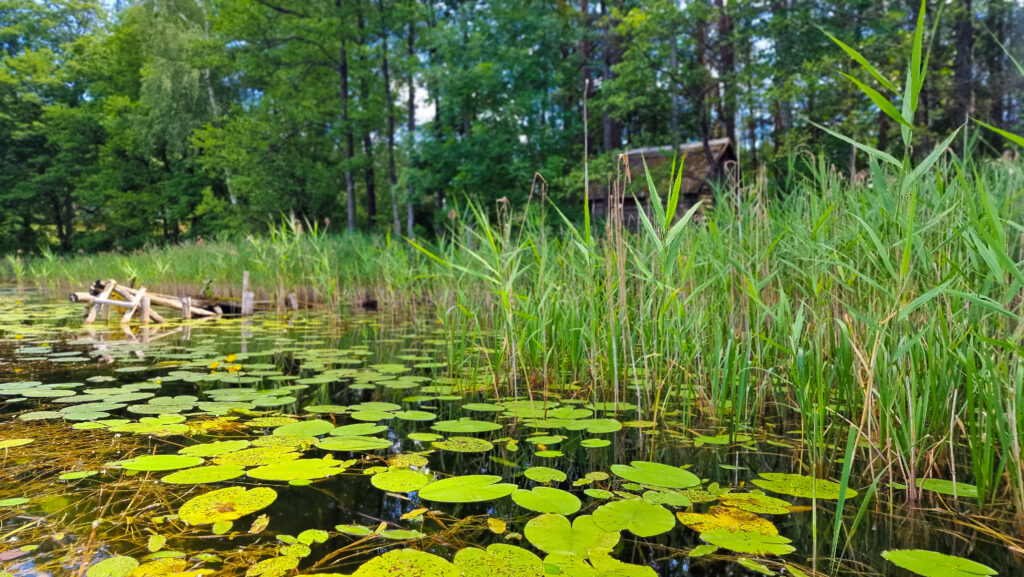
699	176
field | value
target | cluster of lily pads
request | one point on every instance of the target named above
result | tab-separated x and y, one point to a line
268	421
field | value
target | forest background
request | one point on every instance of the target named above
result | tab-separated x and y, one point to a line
132	123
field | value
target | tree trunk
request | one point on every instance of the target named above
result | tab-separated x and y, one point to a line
396	226
727	70
673	64
350	149
963	66
612	50
411	129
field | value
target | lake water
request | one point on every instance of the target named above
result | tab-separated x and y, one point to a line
338	433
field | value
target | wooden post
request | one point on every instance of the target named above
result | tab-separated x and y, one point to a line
134	305
145	312
248	298
294	302
107	289
186	308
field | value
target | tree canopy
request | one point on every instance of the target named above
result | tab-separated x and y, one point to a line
145	121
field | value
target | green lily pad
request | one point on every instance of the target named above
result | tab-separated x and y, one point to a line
595	443
415	415
755	502
161	462
749	542
499	560
801	486
299	469
465	425
358	430
464	445
553	533
214	449
225	505
656	474
424	437
77	475
727	519
407	562
208	474
312	428
400	480
948	488
933	564
598	493
356	530
467	489
548	500
13	501
641	518
353	444
544	474
666	498
113	567
9	443
257	456
273	567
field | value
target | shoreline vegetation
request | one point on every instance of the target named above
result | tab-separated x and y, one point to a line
836	305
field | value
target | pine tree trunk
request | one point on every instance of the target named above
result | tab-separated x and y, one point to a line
963	66
411	129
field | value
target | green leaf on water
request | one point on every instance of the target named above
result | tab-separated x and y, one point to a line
225	505
13	501
755	566
656	474
358	430
357	530
353	444
113	567
467	489
641	518
947	487
702	550
499	560
273	567
553	533
407	562
9	443
310	536
156	543
77	475
400	480
544	474
209	474
666	498
749	542
161	462
464	445
755	502
598	493
298	470
465	425
547	500
933	564
214	449
257	456
311	428
801	486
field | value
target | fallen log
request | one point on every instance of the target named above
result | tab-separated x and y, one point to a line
167	301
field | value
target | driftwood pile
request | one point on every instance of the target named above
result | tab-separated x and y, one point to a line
138	302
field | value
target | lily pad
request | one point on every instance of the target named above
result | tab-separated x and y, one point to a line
467	489
257	456
209	474
755	502
544	474
13	501
499	560
465	425
945	487
749	542
273	567
464	445
214	449
641	518
299	469
312	428
553	533
801	486
933	564
548	500
727	519
353	444
225	505
9	443
113	567
407	562
400	480
358	429
161	462
656	474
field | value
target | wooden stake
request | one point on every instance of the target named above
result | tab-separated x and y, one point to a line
139	295
91	317
145	312
186	308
